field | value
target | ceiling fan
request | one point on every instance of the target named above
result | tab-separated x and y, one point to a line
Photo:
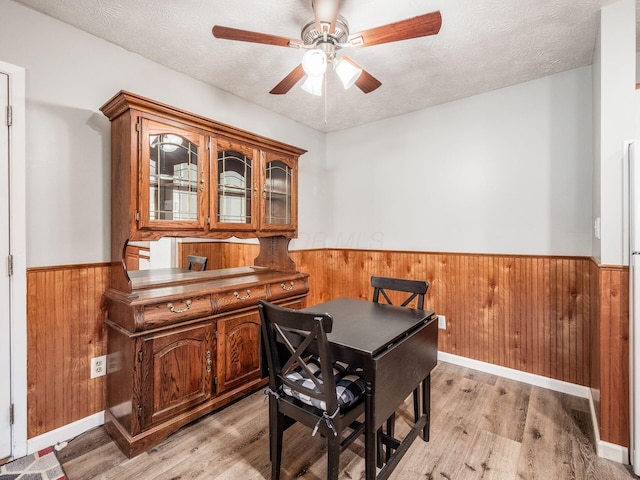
324	35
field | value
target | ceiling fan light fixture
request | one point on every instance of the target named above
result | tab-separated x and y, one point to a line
313	85
347	72
314	62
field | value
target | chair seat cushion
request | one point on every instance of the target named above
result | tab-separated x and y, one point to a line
349	387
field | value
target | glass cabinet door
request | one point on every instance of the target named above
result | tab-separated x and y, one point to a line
172	177
234	199
280	183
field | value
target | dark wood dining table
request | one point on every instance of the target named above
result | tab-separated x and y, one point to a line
396	348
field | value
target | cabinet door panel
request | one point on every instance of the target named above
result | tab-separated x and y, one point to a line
279	193
238	350
234	176
173	192
177	368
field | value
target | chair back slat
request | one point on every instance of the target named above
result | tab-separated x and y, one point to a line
289	338
416	289
197	263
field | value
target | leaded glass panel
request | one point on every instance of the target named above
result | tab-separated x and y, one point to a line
234	187
173	178
278	192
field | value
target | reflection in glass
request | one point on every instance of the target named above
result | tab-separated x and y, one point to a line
277	188
234	187
173	176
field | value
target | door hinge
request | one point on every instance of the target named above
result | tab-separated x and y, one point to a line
9	115
10	265
215	381
208	220
140	356
138	126
137	216
11	414
140	411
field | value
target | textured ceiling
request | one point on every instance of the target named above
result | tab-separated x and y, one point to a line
482	45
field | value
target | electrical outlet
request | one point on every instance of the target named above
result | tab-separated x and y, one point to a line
98	366
442	322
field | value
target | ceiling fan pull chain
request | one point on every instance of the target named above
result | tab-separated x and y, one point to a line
326	90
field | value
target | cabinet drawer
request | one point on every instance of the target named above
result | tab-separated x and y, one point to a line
167	313
239	298
288	288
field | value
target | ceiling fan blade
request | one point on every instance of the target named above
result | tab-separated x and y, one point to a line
365	82
288	82
420	26
229	33
325	12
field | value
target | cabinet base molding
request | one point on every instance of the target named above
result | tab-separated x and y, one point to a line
133	445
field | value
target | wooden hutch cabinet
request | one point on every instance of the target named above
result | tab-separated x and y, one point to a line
183	343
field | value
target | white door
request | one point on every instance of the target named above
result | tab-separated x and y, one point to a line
5	330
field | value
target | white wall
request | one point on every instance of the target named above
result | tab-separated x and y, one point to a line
70	75
614	117
508	171
596	74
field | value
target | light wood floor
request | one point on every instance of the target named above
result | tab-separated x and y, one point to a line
483	427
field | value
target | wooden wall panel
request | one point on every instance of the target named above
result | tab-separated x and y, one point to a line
561	317
594	341
529	313
610	355
64	331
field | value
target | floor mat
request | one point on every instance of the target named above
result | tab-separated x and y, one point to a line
43	465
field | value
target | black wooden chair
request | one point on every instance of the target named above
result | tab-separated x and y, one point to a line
409	291
197	263
307	388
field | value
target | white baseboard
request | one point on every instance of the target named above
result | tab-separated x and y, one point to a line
530	378
613	452
610	451
65	433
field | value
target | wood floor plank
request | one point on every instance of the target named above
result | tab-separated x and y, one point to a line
507	396
483	427
490	457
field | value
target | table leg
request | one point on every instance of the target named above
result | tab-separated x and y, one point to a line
369	434
426	406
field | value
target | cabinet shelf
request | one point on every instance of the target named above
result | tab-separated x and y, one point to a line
169	181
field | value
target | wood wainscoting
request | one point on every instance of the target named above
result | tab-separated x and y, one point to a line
565	318
65	331
610	351
529	313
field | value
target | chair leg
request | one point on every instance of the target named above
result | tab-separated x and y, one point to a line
379	450
276	429
333	454
391	432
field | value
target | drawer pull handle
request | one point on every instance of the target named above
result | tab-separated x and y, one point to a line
208	361
284	287
240	297
172	309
